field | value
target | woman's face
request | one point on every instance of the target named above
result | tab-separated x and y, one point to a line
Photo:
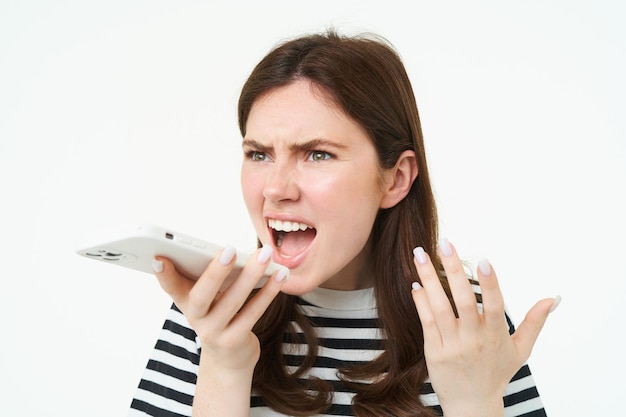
313	185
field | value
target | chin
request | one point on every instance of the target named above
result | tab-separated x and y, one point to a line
297	285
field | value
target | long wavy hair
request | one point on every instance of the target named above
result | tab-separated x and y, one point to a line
366	78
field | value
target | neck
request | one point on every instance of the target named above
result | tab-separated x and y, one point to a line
357	275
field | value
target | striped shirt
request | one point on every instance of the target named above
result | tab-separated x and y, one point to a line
346	325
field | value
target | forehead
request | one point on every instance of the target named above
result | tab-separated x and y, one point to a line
297	111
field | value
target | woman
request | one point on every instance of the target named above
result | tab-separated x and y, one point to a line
377	316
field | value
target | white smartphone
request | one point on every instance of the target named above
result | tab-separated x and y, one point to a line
190	255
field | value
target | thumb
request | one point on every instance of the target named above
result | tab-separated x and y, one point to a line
528	331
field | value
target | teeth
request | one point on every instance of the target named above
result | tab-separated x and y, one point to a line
287	226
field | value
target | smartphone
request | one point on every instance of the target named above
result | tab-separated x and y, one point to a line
190	255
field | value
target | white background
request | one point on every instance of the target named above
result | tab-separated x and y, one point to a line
114	113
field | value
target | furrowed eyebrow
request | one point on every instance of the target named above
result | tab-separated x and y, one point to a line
251	143
315	144
309	145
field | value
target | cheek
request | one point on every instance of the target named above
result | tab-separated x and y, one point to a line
252	190
347	200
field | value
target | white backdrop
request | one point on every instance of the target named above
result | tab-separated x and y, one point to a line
114	113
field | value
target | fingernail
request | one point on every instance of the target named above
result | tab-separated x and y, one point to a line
282	274
445	247
555	303
416	286
420	255
227	255
484	268
157	266
265	254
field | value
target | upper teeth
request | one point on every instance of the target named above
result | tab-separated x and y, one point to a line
287	226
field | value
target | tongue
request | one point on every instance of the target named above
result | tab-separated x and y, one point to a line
295	242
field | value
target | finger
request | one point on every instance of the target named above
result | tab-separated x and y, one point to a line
429	324
255	307
440	306
462	292
237	293
528	331
206	289
493	302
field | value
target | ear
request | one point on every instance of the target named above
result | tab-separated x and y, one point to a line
399	179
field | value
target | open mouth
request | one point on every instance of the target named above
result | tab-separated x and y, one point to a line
291	238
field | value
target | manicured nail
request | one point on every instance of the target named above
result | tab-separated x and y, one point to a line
420	255
484	268
157	266
265	254
227	255
445	247
555	303
282	274
416	286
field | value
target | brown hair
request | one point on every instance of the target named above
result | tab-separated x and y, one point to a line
365	77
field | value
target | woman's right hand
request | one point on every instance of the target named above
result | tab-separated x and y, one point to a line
220	316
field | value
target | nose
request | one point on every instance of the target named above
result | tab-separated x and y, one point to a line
281	183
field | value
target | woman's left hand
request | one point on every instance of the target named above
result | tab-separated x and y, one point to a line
471	358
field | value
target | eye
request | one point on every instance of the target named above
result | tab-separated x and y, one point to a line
319	156
256	156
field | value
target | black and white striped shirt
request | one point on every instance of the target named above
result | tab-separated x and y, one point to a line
347	328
